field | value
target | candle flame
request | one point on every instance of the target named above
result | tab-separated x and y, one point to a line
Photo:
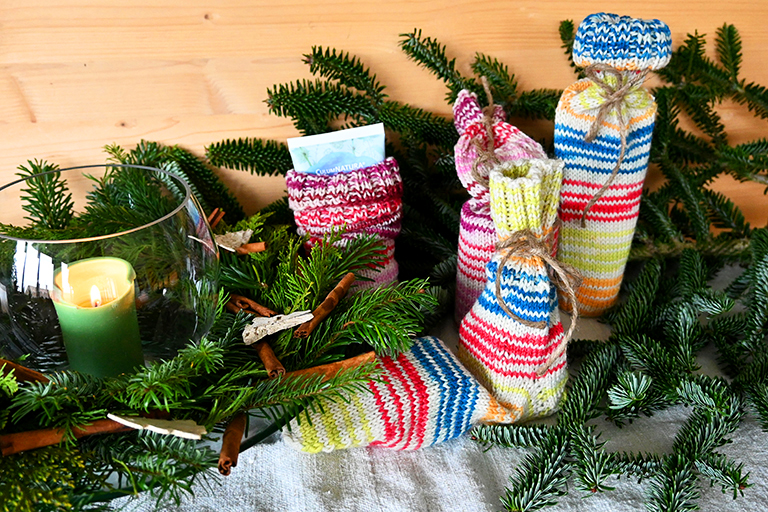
95	296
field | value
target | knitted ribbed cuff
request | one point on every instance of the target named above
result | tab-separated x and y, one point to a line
622	42
525	195
370	185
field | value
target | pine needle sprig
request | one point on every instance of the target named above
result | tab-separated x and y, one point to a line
418	123
260	157
65	402
536	104
46	197
385	318
347	70
726	473
728	45
502	82
674	488
567	32
593	466
541	477
522	436
430	54
314	104
210	189
284	400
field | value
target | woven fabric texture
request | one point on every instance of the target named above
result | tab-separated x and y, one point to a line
422	397
365	201
600	246
504	352
477	235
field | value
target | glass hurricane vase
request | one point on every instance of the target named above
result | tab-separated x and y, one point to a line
102	267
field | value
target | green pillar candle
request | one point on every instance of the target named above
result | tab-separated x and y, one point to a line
95	302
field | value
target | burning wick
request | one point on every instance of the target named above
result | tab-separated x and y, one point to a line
95	296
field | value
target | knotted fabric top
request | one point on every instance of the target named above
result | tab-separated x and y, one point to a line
622	42
504	141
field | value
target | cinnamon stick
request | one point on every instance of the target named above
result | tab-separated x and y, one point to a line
32	439
271	363
237	303
215	217
230	444
326	307
22	373
251	247
332	369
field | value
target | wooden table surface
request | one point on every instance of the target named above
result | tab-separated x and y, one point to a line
77	76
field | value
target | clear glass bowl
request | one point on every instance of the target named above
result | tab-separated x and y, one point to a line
155	281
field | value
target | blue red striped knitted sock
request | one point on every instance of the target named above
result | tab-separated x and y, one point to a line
619	50
422	397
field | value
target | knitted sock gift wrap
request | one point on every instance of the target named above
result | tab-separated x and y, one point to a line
364	201
422	397
603	129
511	339
477	235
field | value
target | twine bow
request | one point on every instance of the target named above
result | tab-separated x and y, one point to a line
486	154
614	96
526	243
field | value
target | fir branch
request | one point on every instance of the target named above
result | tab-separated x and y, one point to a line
755	96
502	83
632	396
418	123
758	397
641	465
567	33
657	218
691	198
167	467
593	465
636	308
536	104
726	473
699	105
674	489
347	70
46	196
541	477
510	436
724	214
586	391
211	190
728	44
260	157
313	105
386	318
430	54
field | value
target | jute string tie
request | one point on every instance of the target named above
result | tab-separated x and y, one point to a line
614	96
486	154
526	244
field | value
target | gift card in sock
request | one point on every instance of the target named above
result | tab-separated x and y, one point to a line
339	151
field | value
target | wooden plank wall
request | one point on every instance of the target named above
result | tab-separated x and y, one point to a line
75	76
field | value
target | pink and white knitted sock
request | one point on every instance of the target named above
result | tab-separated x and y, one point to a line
477	235
364	201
